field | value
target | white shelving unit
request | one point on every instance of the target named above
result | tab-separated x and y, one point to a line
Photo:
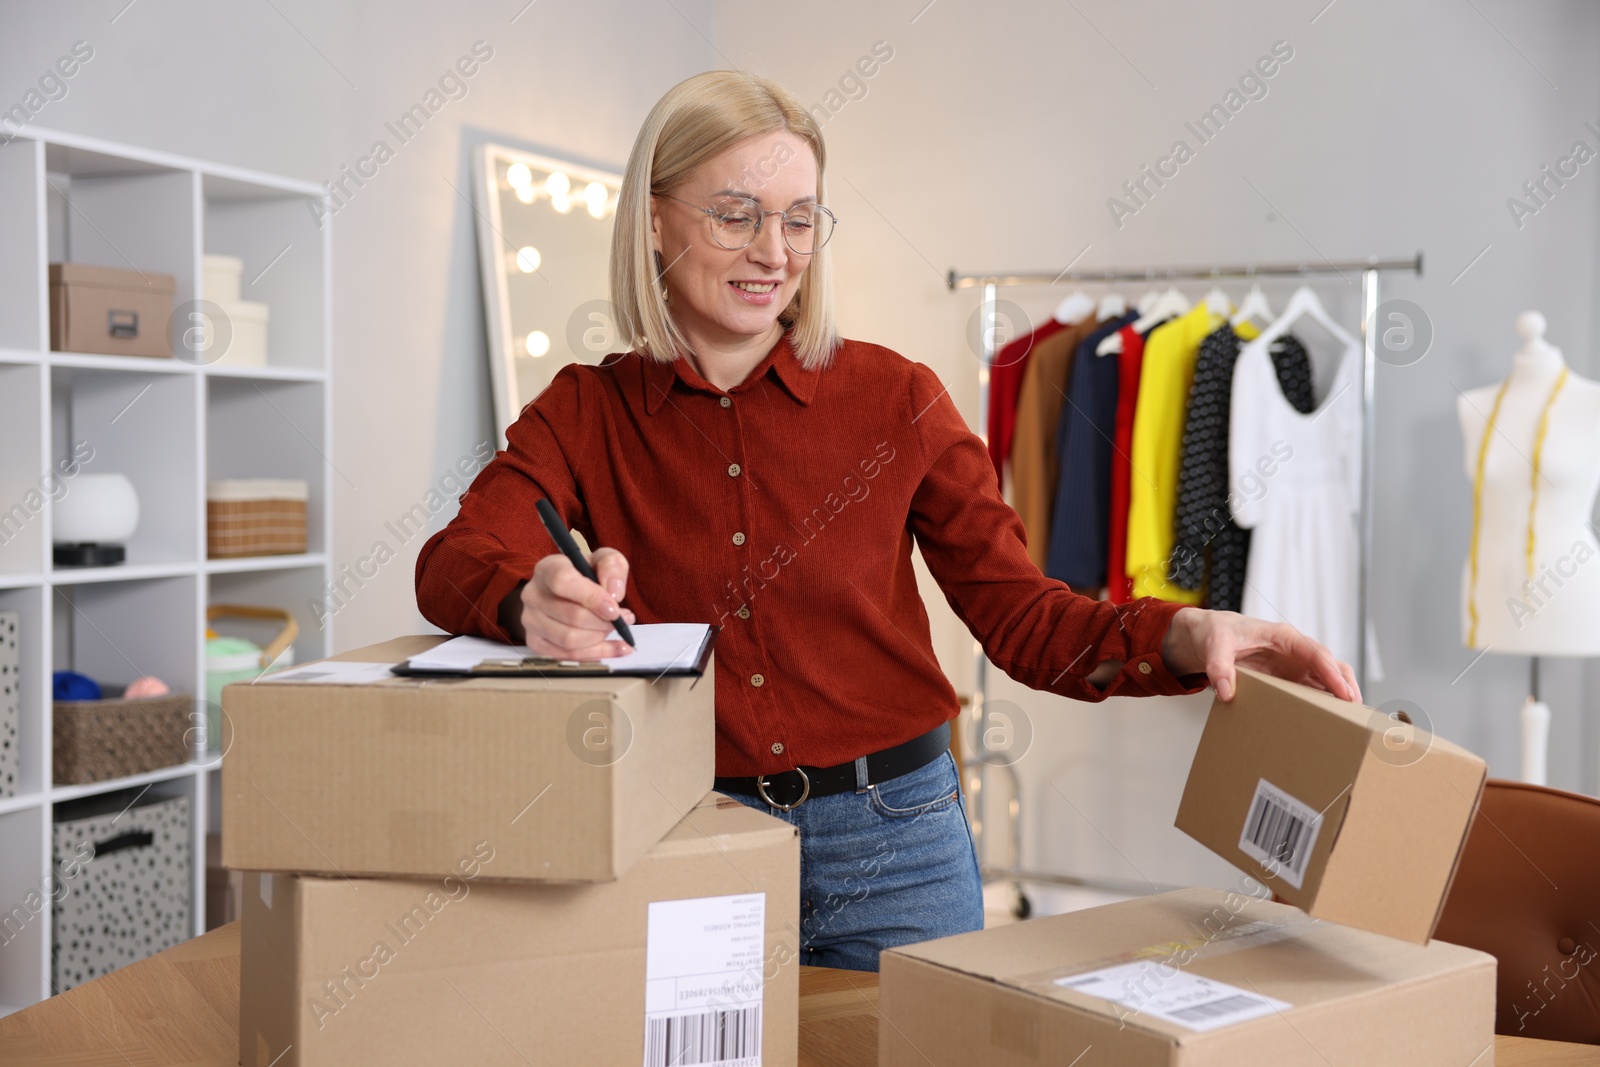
170	425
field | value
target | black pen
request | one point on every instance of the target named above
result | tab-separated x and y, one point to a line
563	539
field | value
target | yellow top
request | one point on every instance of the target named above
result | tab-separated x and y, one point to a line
1165	378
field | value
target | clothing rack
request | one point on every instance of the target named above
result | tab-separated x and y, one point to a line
974	773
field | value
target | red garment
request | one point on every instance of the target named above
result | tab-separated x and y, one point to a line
1005	384
1119	587
829	475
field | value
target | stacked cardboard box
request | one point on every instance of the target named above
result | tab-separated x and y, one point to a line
502	869
1352	815
1193	978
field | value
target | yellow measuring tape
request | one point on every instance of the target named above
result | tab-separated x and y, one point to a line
1477	494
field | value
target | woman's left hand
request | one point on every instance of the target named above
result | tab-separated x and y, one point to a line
1216	641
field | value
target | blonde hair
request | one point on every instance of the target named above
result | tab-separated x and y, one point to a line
696	119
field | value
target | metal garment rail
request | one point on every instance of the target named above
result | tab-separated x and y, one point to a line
977	764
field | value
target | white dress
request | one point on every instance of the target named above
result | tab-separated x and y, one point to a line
1295	481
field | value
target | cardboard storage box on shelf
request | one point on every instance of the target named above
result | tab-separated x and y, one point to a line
690	957
221	275
243	336
339	767
110	311
126	862
1192	978
247	333
1339	809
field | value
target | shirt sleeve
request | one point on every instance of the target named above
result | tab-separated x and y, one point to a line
1034	628
465	570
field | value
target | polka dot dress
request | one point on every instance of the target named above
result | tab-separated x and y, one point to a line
1210	552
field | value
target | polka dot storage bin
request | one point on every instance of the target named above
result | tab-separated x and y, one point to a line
122	883
10	701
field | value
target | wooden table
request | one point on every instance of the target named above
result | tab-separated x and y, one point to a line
180	1008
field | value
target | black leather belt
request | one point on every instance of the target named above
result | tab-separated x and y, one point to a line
789	789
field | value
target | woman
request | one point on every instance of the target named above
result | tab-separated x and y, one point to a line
744	466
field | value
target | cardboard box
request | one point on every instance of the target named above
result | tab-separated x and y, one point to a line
339	767
1193	978
468	970
111	311
224	888
1338	808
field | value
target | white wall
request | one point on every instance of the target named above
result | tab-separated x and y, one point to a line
991	140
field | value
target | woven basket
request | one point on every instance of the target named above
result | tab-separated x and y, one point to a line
255	517
255	527
99	739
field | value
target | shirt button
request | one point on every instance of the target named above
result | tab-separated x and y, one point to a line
757	681
738	538
777	748
744	613
1144	668
733	470
727	403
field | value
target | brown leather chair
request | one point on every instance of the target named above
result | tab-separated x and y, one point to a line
1528	892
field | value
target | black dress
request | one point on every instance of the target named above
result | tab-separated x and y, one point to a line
1209	550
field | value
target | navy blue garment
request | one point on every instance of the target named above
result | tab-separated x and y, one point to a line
1079	528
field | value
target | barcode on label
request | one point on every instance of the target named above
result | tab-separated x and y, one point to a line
1280	832
1212	1011
704	1039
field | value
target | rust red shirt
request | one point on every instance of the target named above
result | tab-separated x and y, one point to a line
784	511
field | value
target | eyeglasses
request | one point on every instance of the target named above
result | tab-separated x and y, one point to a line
735	222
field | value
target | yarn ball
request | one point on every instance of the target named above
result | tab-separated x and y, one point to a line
70	685
148	686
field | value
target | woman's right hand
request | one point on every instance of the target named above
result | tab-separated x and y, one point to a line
560	613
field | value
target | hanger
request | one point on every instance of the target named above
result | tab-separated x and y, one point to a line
1167	305
1253	306
1305	302
1147	301
1218	302
1111	305
1074	308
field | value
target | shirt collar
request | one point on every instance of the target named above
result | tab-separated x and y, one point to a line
781	361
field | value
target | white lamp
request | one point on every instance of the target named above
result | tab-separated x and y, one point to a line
97	514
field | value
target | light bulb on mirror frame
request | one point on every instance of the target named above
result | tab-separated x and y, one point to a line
537	343
528	259
594	195
561	202
519	175
558	184
526	193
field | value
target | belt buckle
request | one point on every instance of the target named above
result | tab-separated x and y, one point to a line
805	791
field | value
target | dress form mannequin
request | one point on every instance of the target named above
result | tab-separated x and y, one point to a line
1551	607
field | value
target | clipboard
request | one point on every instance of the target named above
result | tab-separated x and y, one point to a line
549	667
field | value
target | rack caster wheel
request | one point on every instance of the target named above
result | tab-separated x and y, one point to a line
1023	907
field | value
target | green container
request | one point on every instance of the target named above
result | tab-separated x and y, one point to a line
229	660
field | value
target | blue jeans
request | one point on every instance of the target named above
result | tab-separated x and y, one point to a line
888	865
